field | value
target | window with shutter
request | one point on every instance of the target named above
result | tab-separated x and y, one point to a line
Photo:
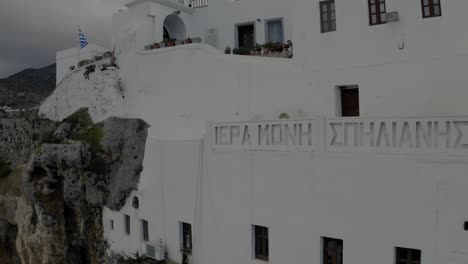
377	12
431	8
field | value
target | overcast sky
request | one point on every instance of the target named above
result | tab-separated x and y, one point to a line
31	31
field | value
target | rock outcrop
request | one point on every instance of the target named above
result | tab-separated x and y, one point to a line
101	93
51	211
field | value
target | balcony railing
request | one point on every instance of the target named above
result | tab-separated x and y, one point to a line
197	3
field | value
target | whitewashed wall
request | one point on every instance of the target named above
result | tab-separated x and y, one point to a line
178	89
356	44
372	202
167	193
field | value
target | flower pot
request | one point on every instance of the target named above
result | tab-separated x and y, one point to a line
227	51
188	41
156	46
170	44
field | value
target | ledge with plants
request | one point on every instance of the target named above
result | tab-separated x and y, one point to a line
171	42
269	49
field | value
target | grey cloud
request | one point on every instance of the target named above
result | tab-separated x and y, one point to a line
31	31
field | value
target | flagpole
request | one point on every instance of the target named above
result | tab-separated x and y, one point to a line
78	47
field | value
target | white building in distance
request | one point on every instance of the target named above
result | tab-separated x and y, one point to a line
355	150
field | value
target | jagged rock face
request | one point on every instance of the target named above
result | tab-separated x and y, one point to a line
69	178
8	233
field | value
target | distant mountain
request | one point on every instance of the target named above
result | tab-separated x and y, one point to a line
27	88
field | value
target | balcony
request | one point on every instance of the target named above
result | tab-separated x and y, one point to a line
175	3
196	3
192	3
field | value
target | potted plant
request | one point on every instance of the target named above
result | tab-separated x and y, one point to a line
236	51
266	48
244	51
227	50
258	48
286	46
156	45
188	40
278	47
170	42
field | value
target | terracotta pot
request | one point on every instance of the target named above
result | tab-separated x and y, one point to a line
188	41
227	51
170	44
156	46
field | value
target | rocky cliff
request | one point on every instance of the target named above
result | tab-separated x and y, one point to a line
55	178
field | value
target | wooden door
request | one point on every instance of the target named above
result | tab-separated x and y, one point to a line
246	36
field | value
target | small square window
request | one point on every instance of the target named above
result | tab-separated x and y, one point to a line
407	256
349	100
332	251
127	224
261	245
431	8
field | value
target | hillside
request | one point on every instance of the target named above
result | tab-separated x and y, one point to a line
27	88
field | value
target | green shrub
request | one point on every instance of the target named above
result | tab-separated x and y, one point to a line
79	118
244	51
92	136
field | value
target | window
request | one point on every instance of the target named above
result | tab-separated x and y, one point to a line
186	239
377	12
431	8
407	256
327	16
127	224
332	251
144	229
112	224
261	242
274	32
349	97
136	202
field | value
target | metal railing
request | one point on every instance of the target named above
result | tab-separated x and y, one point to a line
197	3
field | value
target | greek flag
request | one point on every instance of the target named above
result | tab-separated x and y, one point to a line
82	39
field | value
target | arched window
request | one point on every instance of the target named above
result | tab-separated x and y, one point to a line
135	202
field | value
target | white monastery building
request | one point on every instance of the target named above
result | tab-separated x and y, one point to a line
355	150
